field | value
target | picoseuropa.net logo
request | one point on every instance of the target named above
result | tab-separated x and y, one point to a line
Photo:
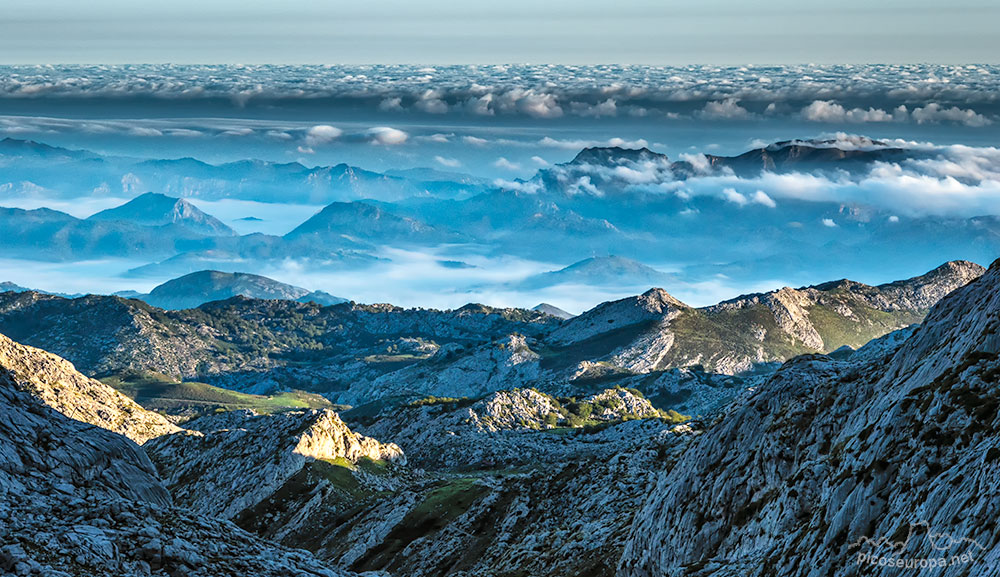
946	550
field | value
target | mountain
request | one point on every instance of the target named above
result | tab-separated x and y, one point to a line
656	332
44	234
688	359
257	456
153	209
552	310
195	289
612	271
96	494
8	286
864	463
367	222
255	346
54	382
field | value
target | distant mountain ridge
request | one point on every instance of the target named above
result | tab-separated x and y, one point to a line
154	209
195	289
610	270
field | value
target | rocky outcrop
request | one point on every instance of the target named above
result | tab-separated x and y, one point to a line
847	468
653	305
55	383
242	458
76	499
454	371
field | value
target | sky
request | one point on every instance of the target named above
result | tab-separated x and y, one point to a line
516	31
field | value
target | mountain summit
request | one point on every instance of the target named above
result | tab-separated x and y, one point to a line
154	209
197	288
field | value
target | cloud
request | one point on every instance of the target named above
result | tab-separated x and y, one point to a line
540	162
504	164
730	195
933	113
530	187
606	108
430	102
728	109
761	197
145	131
475	140
322	134
393	104
699	162
449	162
829	223
305	150
387	136
830	111
575	144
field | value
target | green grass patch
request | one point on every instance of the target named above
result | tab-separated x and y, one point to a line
158	392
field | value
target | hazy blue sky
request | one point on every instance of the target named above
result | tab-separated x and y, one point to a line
476	31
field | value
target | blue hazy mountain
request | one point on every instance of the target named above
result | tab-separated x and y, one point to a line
195	289
601	271
46	234
154	209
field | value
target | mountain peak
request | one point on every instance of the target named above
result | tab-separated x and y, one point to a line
615	155
156	209
197	288
552	310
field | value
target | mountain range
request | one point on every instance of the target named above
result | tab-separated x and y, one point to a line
887	452
684	358
633	203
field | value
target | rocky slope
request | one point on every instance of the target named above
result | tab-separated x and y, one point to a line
252	345
505	428
846	468
253	456
80	500
656	332
55	383
492	495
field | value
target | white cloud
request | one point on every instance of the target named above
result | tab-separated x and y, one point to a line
728	109
145	131
573	144
388	136
539	161
606	108
305	150
893	218
829	223
449	162
734	197
699	162
933	113
322	134
830	111
431	103
475	140
394	104
761	197
504	164
518	186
